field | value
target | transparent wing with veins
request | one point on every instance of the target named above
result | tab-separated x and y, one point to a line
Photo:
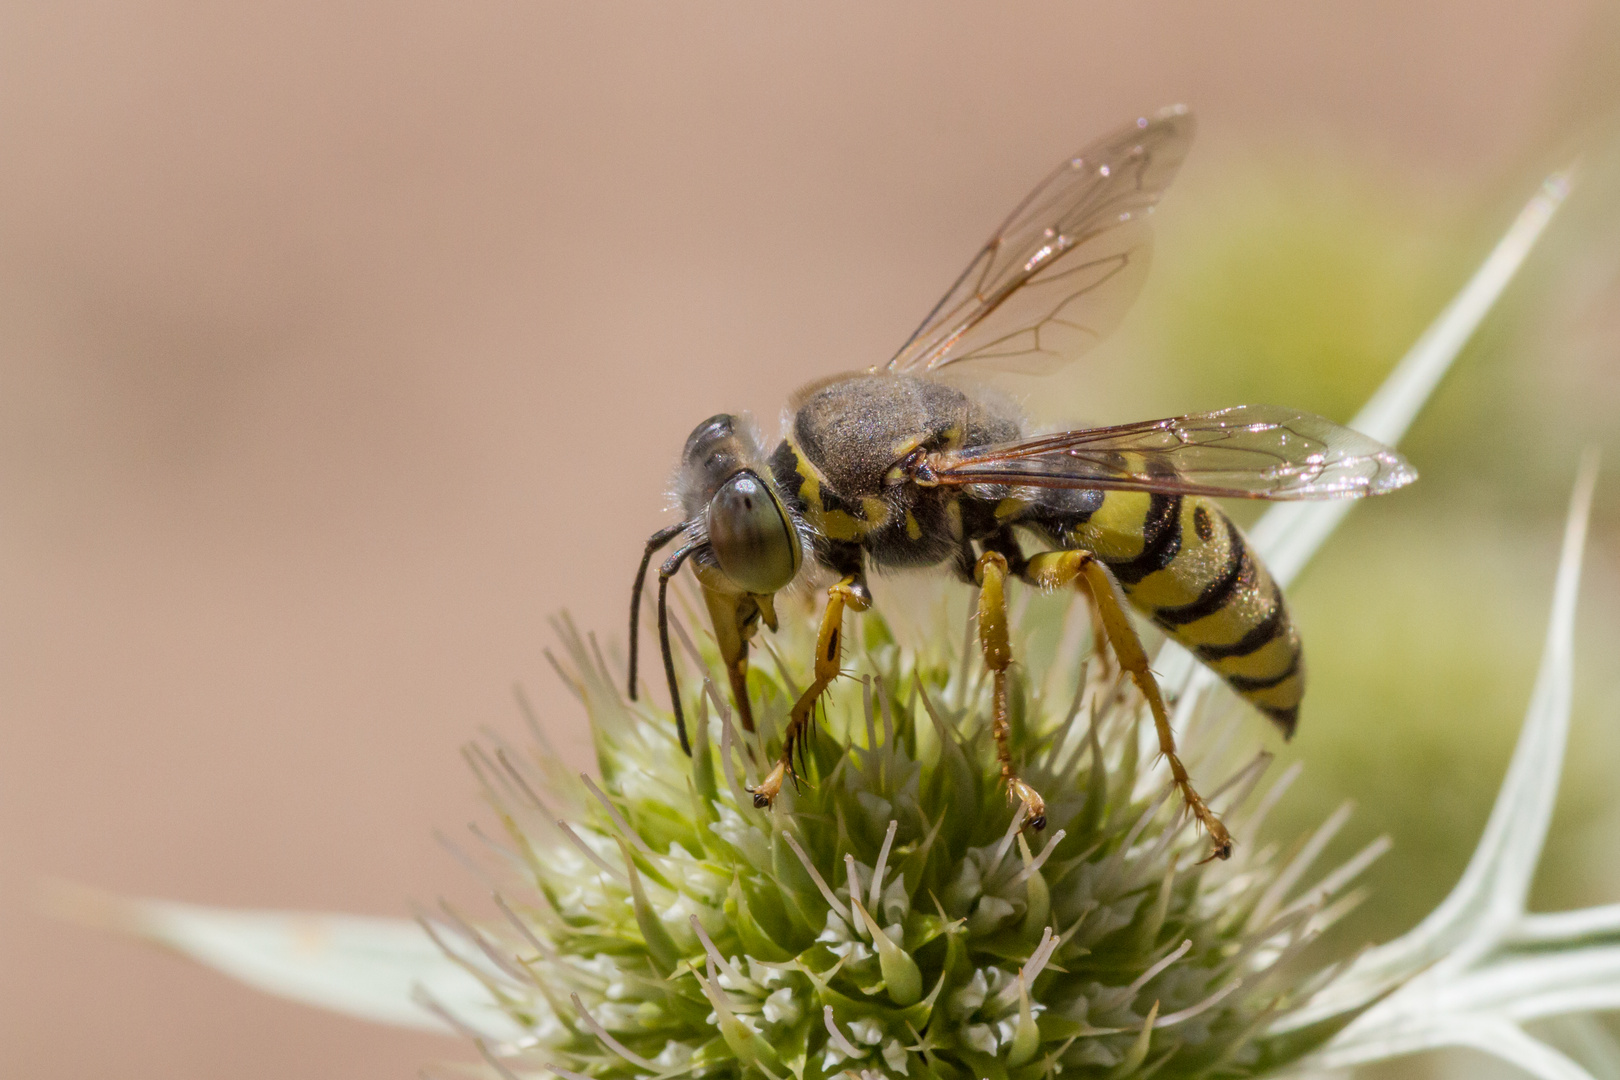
1061	271
1251	451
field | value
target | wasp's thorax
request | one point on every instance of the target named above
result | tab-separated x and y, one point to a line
726	491
855	465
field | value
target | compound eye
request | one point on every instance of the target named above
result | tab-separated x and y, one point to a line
751	535
713	433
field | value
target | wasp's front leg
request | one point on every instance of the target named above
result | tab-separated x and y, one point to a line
1054	569
736	617
850	592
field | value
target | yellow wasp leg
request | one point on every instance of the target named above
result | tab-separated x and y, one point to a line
1054	569
733	616
829	650
1104	671
991	573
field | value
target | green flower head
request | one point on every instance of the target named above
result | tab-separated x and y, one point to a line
890	916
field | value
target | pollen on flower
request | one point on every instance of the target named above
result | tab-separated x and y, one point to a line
890	917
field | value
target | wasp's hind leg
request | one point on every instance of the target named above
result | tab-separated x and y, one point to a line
1055	569
1104	669
991	572
849	592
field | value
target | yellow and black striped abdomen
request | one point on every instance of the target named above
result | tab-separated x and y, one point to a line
1184	564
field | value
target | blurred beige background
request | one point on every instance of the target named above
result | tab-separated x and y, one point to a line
343	344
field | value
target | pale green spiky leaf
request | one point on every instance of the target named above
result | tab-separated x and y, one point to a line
1489	898
371	968
1291	533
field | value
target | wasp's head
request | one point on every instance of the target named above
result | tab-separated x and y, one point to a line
727	495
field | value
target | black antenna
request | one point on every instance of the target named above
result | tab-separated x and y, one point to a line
655	542
665	572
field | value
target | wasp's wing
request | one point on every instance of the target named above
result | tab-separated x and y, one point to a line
1251	451
1060	272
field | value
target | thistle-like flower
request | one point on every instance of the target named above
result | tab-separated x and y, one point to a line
891	918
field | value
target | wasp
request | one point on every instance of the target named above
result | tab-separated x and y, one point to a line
905	465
